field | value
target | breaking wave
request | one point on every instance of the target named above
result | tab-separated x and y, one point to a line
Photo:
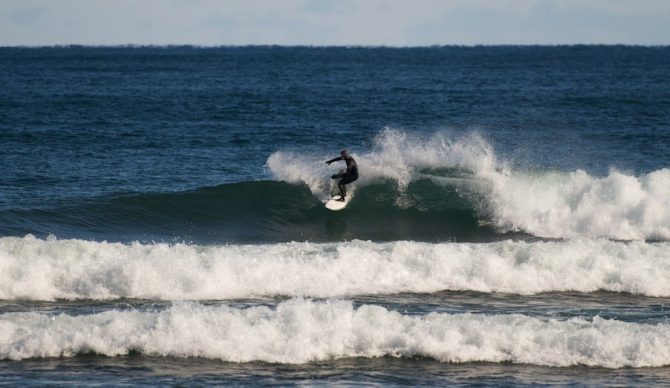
550	204
299	331
437	188
35	269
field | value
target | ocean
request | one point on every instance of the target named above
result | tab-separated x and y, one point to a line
162	216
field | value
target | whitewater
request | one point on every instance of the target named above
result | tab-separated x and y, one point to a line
37	269
301	331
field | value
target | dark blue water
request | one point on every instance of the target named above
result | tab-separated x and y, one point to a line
132	178
109	120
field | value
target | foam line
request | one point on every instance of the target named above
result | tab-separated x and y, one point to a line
36	269
300	331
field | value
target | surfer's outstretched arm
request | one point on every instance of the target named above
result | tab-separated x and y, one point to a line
334	160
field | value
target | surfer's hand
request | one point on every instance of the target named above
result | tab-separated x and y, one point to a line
329	162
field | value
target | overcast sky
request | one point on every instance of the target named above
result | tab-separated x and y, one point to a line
333	22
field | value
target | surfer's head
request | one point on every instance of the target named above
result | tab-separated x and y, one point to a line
344	153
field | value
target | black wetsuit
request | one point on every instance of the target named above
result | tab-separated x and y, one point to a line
348	176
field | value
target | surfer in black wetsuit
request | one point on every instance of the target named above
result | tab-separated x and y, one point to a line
350	175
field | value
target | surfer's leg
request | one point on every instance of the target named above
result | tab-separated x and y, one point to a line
343	189
342	185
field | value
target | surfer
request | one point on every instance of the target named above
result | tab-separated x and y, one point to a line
346	177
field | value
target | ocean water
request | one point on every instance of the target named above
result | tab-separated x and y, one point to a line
162	218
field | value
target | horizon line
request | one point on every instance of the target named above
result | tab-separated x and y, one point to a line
346	46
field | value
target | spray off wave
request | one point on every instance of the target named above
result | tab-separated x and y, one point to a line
299	331
36	269
545	204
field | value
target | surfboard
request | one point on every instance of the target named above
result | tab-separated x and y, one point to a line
334	204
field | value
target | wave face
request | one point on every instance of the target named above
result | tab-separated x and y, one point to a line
545	204
256	212
36	269
300	331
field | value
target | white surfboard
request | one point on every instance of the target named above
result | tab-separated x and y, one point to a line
334	204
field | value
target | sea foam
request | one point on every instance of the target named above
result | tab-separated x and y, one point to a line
36	269
562	205
299	331
552	204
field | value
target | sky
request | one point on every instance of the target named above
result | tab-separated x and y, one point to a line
333	22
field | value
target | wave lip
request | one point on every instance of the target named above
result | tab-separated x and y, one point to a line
36	269
300	331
